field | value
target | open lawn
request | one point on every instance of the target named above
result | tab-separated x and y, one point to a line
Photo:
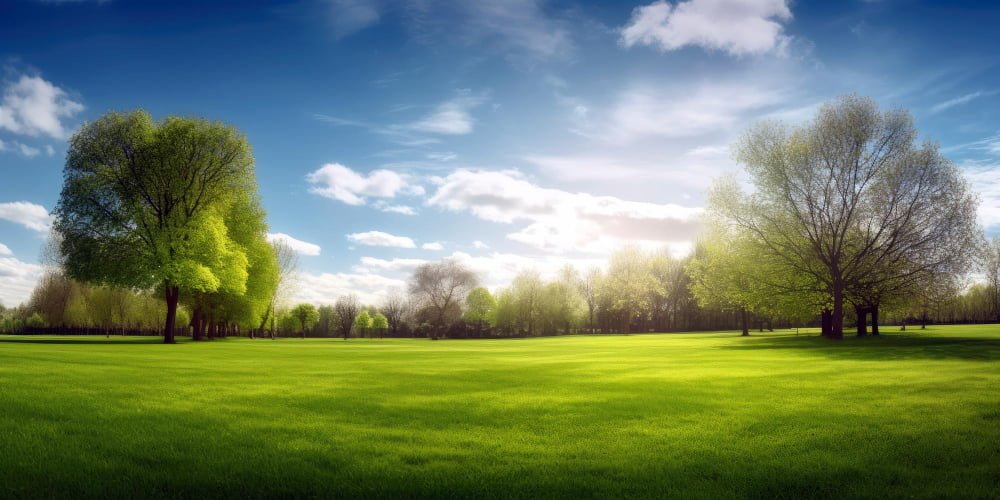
705	415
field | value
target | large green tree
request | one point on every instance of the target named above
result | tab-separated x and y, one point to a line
143	203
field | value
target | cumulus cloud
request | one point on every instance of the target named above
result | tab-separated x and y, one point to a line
326	288
27	214
381	239
35	107
479	245
17	279
298	246
373	264
737	27
5	250
395	209
434	245
563	221
338	182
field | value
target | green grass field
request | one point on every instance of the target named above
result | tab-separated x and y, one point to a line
702	415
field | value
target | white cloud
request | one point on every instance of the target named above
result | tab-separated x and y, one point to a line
951	103
434	245
985	178
27	214
737	27
33	106
372	264
562	221
338	182
22	149
381	239
5	250
50	151
451	117
298	246
326	288
17	280
479	245
395	209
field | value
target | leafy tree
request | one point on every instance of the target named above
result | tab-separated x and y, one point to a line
142	204
362	323
480	308
380	323
306	315
851	201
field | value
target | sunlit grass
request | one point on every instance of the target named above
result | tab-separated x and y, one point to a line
709	415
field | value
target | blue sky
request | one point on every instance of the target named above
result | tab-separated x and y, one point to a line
508	134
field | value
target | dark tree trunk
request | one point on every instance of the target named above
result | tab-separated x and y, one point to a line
837	318
212	329
173	294
745	322
826	322
197	324
862	314
874	310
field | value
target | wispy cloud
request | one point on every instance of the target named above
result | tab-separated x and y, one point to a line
963	99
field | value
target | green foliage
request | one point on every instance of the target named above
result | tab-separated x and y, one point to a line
306	315
35	321
379	322
480	307
362	323
144	203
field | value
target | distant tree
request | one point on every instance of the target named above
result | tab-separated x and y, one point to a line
287	261
527	289
327	323
306	315
142	201
480	309
380	324
440	287
589	286
347	308
395	308
628	283
362	323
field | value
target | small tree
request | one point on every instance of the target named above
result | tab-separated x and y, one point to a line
306	315
347	308
362	323
380	324
480	308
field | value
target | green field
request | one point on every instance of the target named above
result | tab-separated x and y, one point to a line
706	415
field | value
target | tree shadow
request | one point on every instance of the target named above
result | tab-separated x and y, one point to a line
882	348
85	340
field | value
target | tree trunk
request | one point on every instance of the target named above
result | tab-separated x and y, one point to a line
826	322
862	314
837	318
745	321
197	321
173	294
875	320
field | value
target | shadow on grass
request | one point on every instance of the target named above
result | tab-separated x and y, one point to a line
884	347
89	340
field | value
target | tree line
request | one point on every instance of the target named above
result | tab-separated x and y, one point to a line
847	218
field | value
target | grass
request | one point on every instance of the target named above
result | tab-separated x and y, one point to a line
694	415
